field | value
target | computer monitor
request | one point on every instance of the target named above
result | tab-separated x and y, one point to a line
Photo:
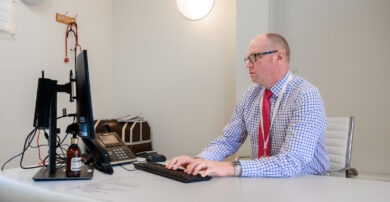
83	98
85	115
45	117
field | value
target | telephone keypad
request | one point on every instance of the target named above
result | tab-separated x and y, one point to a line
120	155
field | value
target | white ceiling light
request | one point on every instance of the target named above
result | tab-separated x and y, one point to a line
194	9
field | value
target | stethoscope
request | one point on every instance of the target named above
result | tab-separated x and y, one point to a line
69	29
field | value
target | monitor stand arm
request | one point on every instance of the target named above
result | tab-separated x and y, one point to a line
67	88
52	88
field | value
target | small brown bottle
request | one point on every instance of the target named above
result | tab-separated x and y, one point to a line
73	160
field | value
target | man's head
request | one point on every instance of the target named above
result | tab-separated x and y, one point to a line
268	59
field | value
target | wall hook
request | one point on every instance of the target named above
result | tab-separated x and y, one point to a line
64	18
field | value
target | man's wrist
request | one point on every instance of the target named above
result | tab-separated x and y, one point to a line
237	168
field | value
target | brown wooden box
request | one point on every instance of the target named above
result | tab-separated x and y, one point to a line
136	135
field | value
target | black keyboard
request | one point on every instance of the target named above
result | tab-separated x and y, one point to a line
178	174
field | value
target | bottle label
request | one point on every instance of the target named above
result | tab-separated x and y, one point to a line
75	164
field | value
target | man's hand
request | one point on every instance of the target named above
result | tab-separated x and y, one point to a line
193	166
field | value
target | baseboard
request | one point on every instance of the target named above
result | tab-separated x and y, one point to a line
374	176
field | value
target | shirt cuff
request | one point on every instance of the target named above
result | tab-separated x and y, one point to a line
251	168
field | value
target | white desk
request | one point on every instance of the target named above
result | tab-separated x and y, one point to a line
142	186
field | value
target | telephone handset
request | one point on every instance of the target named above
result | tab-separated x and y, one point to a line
107	150
99	155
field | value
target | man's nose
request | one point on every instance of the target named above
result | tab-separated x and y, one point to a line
248	65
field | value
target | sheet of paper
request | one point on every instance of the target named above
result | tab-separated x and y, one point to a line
108	186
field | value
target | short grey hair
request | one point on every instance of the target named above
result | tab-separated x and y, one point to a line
277	40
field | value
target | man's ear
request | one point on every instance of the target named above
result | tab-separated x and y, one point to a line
280	56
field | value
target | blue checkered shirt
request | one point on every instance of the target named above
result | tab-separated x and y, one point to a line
297	135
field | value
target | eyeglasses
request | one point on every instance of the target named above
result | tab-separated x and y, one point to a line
253	58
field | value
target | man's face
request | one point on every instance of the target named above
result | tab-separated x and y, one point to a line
260	71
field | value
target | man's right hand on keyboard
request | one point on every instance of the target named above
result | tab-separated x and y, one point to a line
183	161
193	166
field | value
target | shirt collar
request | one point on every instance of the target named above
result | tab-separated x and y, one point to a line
278	86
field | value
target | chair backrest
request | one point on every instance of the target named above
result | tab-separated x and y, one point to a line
338	141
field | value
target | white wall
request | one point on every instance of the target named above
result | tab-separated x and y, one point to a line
252	20
342	47
39	45
178	74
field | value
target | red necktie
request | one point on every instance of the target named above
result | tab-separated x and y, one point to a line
266	124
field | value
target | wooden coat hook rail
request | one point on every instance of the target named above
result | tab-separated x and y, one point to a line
63	18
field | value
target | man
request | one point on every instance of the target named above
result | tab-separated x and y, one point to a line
283	114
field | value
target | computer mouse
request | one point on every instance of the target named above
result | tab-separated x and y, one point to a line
155	158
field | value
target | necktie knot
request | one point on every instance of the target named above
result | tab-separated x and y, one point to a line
267	94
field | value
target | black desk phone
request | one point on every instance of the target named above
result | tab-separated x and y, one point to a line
118	152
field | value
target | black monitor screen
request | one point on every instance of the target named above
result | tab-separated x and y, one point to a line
83	97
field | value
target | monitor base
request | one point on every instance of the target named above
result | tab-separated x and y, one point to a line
60	174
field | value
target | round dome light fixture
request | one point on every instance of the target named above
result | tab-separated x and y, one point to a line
194	9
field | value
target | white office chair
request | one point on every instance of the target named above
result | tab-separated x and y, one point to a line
338	142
